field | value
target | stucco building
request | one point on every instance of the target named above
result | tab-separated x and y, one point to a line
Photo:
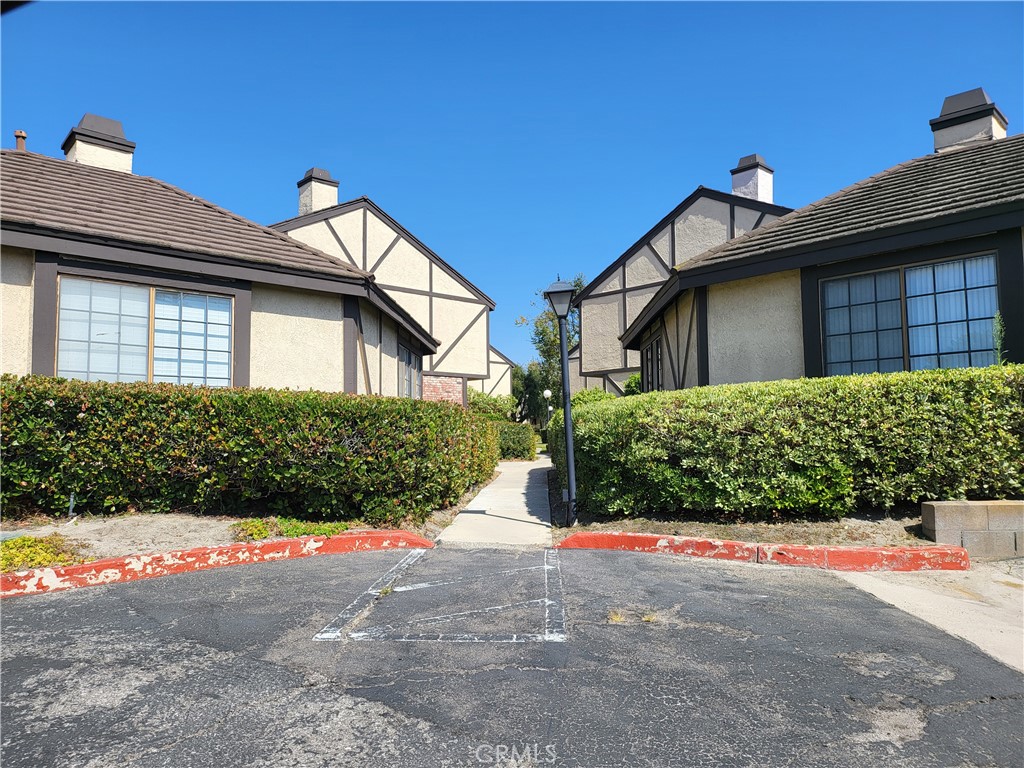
614	299
452	310
907	269
107	275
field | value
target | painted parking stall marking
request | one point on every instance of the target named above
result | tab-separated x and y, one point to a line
538	617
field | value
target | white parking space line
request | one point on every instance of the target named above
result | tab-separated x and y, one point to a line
336	628
554	608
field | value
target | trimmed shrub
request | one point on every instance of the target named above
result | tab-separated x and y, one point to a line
810	447
587	396
633	385
162	447
517	441
494	407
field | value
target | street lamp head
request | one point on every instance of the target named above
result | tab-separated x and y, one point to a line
551	408
547	394
559	295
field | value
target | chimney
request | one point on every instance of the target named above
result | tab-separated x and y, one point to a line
752	177
317	190
99	141
967	118
19	140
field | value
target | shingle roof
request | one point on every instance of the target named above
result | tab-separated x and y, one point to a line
955	181
71	197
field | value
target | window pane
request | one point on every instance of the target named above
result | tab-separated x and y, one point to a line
862	318
133	363
954	361
839	369
919	281
838	349
887	286
836	293
74	294
193	308
165	367
104	328
218	310
106	297
218	371
103	359
74	325
865	366
983	359
889	315
890	344
980	333
134	301
864	346
950	306
135	330
922	363
953	337
949	276
980	271
892	365
862	289
222	344
837	321
982	302
923	341
73	358
921	310
167	305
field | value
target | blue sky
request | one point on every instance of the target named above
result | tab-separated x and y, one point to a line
518	140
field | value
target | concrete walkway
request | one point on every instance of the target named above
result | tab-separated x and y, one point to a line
511	512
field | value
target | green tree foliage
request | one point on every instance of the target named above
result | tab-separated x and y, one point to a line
493	407
825	446
633	385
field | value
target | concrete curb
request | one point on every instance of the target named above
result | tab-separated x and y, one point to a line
939	558
134	567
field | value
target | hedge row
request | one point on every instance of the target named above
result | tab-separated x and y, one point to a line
516	441
810	447
160	448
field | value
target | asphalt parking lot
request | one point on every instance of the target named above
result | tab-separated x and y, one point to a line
484	657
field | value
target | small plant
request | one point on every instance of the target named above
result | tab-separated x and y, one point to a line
386	591
250	529
649	618
26	552
616	616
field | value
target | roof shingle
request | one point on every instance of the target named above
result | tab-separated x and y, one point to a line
58	195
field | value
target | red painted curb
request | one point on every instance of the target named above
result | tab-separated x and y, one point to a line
676	545
135	567
938	558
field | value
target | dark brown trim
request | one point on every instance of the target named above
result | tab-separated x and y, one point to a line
623	321
703	359
498	352
668	354
631	289
350	348
426	344
44	314
387	251
420	292
49	266
670	218
367	203
167	260
690	322
362	350
341	243
810	310
608	371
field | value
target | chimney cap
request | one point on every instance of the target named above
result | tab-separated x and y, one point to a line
751	161
965	107
94	129
318	174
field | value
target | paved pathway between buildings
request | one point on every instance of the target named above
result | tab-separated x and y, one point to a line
511	512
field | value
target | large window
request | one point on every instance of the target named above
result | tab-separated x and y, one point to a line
930	316
110	331
410	373
650	366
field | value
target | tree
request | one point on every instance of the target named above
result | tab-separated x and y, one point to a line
544	334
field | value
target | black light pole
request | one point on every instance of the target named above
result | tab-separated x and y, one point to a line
559	295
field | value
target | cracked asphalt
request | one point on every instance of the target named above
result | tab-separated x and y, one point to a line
499	658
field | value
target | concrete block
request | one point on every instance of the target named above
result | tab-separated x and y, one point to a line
1006	515
990	543
963	515
944	535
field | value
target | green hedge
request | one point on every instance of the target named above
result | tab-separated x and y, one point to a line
823	446
516	441
160	447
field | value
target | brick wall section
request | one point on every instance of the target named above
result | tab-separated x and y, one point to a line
451	389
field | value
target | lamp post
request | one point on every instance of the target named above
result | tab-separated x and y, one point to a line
547	399
559	295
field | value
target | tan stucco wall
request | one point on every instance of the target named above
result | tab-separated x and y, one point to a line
460	318
17	269
704	225
296	339
644	267
500	380
755	329
601	323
